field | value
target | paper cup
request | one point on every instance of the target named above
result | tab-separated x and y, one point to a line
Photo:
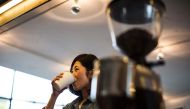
63	82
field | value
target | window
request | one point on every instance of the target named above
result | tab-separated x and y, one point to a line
65	97
4	104
31	88
6	81
16	104
25	91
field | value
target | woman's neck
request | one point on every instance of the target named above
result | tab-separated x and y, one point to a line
85	93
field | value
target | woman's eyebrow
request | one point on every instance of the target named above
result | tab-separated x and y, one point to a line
75	67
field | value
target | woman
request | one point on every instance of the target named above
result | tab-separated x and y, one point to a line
82	69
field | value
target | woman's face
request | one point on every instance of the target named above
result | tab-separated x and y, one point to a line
82	81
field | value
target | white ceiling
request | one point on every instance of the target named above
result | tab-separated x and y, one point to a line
47	43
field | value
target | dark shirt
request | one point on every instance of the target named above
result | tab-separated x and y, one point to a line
88	104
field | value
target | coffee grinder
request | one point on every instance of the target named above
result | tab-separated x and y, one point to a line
128	82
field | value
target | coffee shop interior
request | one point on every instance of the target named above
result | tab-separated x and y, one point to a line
40	38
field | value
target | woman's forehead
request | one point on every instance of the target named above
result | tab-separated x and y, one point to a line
77	63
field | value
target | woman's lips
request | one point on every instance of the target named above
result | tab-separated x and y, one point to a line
75	83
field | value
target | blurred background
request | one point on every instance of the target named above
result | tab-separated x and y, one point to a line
37	45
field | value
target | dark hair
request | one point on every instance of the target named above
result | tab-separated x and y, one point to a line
87	60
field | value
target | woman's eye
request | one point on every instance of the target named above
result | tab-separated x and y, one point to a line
76	69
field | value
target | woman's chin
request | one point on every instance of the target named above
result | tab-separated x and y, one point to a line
75	88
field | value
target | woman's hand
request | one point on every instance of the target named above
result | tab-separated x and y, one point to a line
56	92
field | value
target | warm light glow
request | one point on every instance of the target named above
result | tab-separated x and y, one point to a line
9	5
178	100
90	9
19	9
132	90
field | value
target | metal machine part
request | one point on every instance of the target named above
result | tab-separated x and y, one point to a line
135	26
123	84
129	82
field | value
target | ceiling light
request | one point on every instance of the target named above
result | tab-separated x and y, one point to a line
75	9
19	7
9	5
89	9
160	55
